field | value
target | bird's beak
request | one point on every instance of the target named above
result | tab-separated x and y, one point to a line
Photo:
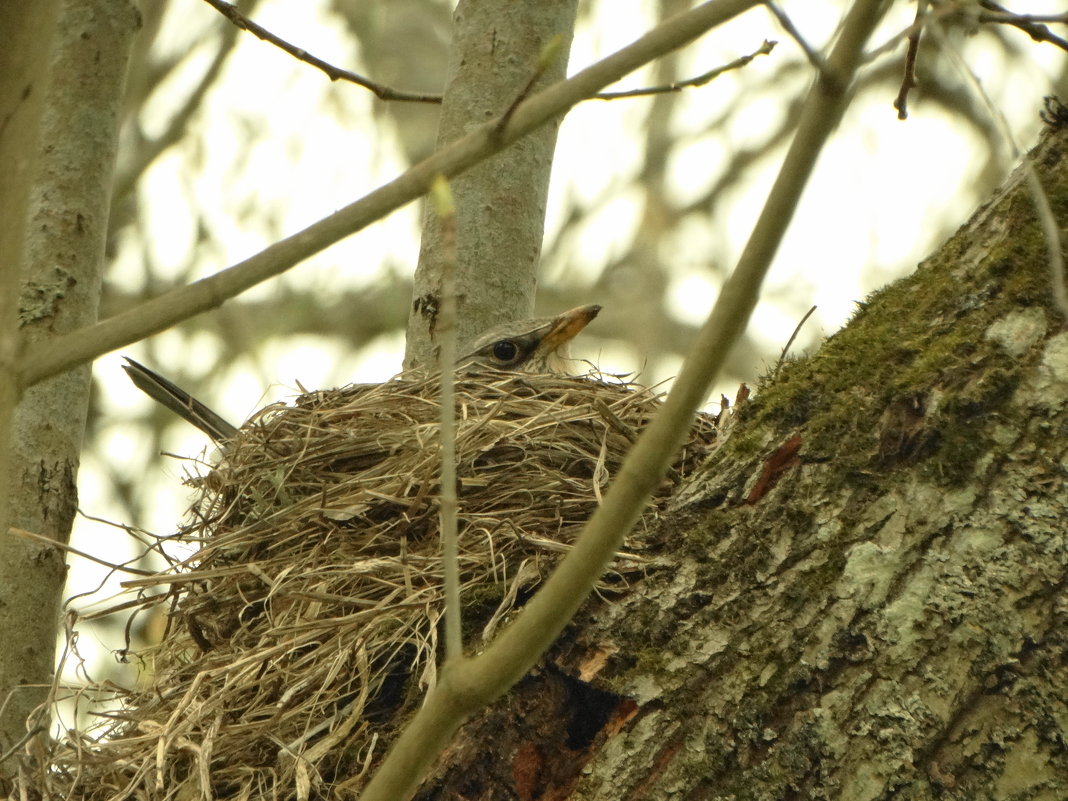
565	327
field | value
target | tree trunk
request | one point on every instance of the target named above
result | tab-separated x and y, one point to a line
862	595
28	30
500	204
61	265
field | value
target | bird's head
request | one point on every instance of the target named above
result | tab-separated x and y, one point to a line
540	345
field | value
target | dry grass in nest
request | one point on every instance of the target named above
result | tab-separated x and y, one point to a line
304	629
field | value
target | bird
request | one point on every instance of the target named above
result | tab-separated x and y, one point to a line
538	345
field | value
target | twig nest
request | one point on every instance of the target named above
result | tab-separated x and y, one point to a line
304	629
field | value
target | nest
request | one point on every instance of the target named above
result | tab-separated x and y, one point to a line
304	629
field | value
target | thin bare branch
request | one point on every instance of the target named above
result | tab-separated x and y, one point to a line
932	15
813	56
793	336
381	91
909	79
700	80
548	54
449	504
50	542
1031	24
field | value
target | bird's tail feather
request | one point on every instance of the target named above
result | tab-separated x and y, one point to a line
179	401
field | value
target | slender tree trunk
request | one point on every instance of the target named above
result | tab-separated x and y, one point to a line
79	86
862	595
500	204
28	30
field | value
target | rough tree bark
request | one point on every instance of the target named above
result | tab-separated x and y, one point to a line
862	596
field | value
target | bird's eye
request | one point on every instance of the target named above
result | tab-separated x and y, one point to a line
505	350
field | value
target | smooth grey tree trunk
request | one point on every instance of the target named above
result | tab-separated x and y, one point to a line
28	30
80	88
500	204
